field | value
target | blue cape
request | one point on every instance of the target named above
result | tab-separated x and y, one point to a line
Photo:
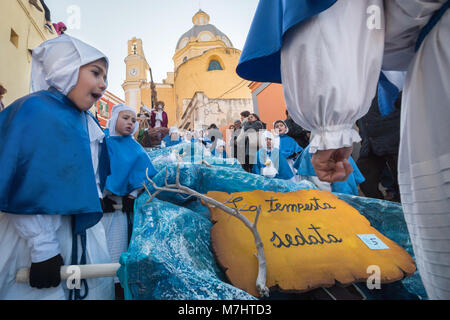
288	146
260	59
170	143
350	186
280	163
129	162
387	95
224	153
46	160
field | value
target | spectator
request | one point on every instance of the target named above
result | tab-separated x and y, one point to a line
3	91
248	141
60	28
214	134
379	148
244	116
48	20
233	139
297	132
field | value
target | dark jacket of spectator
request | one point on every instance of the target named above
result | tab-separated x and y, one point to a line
296	132
380	135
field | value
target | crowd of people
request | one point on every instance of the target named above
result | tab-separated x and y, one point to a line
283	152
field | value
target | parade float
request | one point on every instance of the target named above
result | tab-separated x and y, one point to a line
207	230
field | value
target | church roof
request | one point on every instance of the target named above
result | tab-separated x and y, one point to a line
198	28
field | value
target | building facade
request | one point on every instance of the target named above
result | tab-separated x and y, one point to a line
102	108
268	102
204	69
21	30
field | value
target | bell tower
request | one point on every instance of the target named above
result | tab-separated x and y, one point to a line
137	74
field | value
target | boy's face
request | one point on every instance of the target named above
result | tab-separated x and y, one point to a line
269	143
91	85
280	128
126	122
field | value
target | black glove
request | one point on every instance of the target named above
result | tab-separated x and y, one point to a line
46	274
108	205
127	204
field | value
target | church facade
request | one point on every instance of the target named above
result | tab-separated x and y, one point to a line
203	87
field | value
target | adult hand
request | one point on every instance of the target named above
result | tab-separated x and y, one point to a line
332	165
46	274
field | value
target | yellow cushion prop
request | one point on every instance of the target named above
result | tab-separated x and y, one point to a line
311	239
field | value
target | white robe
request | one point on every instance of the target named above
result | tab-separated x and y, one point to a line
35	238
330	67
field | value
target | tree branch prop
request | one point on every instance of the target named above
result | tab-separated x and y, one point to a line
235	212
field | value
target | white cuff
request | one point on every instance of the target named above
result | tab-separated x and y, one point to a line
39	231
44	246
333	137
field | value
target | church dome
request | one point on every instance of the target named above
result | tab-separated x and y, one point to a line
202	31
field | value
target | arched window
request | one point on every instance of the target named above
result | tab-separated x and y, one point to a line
214	65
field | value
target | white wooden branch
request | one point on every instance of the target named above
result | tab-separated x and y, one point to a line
235	212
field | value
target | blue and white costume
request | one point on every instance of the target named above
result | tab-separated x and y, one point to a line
129	163
54	166
306	170
168	142
270	162
216	152
330	64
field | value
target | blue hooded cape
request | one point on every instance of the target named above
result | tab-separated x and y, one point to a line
169	143
129	162
280	163
350	186
288	146
387	95
224	153
260	59
46	160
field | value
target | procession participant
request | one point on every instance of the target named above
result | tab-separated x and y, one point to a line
52	180
129	164
270	162
289	148
305	171
173	138
220	150
328	54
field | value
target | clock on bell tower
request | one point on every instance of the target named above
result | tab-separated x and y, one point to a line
137	74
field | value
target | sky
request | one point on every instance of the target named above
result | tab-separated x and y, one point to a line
109	24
